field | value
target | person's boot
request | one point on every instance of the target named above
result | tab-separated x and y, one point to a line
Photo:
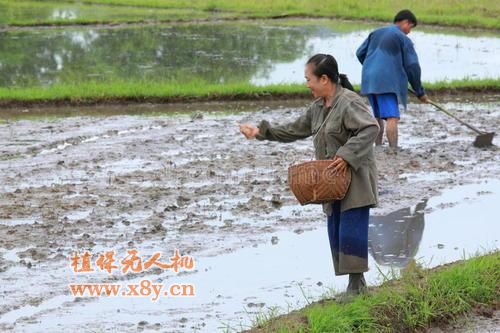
357	284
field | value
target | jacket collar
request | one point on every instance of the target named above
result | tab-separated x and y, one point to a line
338	92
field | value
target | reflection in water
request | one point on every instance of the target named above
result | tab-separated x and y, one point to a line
393	239
216	53
259	53
64	14
82	39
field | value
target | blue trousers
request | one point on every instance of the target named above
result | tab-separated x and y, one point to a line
348	235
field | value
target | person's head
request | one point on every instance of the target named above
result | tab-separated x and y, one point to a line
322	74
406	20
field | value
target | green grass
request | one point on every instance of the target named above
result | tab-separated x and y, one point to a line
409	304
102	91
32	13
465	83
481	14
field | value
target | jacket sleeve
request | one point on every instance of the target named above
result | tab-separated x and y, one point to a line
412	68
364	128
299	129
362	50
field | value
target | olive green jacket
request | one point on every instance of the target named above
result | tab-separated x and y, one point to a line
349	132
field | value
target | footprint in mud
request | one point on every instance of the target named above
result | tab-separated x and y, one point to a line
34	254
276	201
182	200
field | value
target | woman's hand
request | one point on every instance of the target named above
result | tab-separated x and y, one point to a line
249	131
339	165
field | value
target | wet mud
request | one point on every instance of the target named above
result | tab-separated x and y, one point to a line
158	181
480	321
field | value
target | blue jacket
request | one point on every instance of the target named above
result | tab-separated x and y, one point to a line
389	62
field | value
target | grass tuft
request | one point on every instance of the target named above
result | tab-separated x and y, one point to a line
415	301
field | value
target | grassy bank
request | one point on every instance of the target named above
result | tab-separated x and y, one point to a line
479	14
33	13
419	299
124	91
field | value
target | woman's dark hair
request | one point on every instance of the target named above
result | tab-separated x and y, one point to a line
325	64
405	14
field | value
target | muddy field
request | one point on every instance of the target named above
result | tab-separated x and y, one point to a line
144	177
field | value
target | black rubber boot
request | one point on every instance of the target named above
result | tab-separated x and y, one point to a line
357	284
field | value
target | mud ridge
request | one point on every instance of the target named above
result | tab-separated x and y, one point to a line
261	96
223	19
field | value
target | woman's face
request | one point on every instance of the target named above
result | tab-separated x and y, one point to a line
314	83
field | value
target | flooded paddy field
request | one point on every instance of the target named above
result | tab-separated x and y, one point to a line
156	178
260	53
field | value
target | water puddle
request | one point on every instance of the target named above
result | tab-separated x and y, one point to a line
61	178
425	176
19	221
79	214
53	150
126	165
29	310
288	271
12	255
256	52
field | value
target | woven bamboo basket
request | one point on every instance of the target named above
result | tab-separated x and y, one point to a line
312	183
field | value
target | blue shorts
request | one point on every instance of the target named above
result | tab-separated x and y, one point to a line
384	105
